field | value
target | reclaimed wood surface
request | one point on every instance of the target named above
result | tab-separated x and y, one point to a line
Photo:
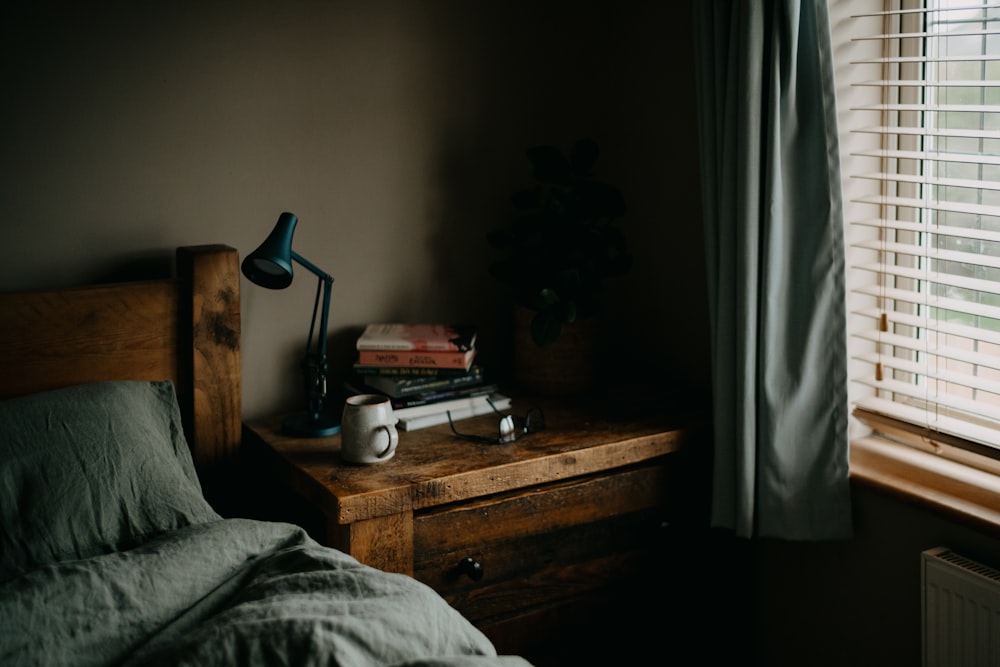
211	360
385	542
58	338
432	467
518	533
456	529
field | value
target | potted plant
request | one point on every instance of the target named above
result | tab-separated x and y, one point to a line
561	246
563	242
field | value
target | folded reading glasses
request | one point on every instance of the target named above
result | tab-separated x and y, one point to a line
510	427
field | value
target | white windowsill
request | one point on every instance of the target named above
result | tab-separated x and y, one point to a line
962	492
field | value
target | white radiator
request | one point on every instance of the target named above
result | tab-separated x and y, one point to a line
961	611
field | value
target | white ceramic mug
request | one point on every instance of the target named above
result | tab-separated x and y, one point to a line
368	429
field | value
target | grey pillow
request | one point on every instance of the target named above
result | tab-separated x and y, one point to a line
92	469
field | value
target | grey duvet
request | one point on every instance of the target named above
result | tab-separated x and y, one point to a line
231	592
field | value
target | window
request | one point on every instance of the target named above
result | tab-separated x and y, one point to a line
920	128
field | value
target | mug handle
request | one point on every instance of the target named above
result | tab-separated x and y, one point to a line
393	441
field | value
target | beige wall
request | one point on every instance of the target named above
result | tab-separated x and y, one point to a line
856	602
394	130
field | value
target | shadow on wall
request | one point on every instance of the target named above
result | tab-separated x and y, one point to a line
149	265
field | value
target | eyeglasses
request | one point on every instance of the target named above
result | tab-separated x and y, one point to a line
510	428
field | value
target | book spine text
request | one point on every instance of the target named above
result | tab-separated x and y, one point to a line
415	359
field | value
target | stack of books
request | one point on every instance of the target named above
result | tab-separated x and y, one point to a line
427	370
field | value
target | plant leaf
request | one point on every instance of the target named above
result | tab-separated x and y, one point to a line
545	298
545	328
569	311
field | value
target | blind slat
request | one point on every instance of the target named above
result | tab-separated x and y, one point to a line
935	132
976	382
922	35
929	300
938	326
916	345
930	180
910	83
924	108
975	259
903	11
934	277
981	432
930	205
920	393
886	60
922	228
967	158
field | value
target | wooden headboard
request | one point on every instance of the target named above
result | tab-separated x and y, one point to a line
185	329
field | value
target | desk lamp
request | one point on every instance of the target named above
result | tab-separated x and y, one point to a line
270	266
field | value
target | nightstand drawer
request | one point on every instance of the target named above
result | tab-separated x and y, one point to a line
535	547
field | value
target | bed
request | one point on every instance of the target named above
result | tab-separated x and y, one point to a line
119	416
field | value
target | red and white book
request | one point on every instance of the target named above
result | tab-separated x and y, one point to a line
418	337
417	359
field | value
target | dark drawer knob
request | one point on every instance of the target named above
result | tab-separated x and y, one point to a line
471	567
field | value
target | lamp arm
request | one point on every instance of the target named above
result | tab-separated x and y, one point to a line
324	317
312	267
316	384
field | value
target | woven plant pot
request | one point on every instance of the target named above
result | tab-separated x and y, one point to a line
568	367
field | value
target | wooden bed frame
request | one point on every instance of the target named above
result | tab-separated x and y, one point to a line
185	329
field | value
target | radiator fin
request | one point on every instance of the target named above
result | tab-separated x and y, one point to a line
961	611
969	565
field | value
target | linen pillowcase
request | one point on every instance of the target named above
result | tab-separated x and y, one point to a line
91	469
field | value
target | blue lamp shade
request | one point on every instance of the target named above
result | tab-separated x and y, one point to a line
270	265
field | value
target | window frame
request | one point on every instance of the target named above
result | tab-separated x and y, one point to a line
948	473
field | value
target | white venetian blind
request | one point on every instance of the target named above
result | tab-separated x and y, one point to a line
928	239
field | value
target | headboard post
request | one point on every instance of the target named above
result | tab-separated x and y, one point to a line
210	311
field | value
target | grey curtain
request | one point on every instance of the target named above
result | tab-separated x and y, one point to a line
774	244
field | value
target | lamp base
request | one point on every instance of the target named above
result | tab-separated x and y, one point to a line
308	425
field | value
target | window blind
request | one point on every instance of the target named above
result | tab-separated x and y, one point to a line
927	245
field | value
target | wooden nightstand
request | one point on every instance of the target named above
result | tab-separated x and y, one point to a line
514	536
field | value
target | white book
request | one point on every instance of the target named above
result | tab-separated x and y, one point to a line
448	404
437	413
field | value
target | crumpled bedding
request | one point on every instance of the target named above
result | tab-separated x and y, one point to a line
232	592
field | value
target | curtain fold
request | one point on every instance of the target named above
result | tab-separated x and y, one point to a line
775	256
